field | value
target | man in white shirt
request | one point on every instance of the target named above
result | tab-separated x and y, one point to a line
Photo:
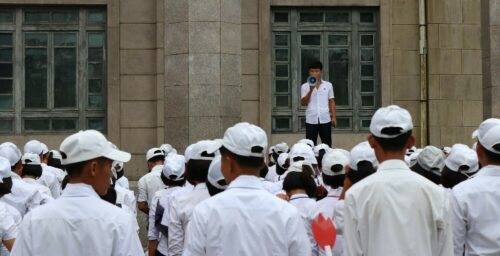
79	222
476	201
320	102
8	225
151	182
32	170
245	219
47	179
396	211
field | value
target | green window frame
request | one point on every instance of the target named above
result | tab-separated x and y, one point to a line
55	76
346	41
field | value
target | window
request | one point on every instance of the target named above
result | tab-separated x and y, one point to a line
52	69
346	42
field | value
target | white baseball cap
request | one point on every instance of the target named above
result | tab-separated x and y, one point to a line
319	147
203	150
87	145
282	159
334	157
167	148
431	159
243	139
488	134
45	149
308	142
281	148
5	168
31	159
56	154
10	152
174	167
297	166
154	152
215	176
413	157
462	156
390	117
187	153
270	150
446	150
33	146
117	166
303	150
362	152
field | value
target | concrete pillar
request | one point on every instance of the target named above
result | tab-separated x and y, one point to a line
490	26
202	69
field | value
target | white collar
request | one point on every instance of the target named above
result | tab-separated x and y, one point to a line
489	170
246	181
299	196
79	190
393	164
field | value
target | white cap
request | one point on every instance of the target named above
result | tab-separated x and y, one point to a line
270	150
187	153
174	167
297	166
308	142
202	150
10	152
31	159
56	154
282	159
302	150
413	157
215	173
117	166
33	146
362	152
446	150
281	148
431	159
488	134
334	157
243	139
5	168
45	149
154	152
461	156
319	147
390	116
167	148
87	145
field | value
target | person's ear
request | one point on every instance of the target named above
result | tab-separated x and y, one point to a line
372	141
93	168
410	143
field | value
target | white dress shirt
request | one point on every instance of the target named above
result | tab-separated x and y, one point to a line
149	184
476	213
49	180
326	206
318	107
23	196
60	174
126	199
123	182
396	211
8	227
305	205
153	232
271	173
180	213
166	201
78	223
44	191
246	220
16	216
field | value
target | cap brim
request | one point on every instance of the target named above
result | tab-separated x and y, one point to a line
475	134
216	145
118	155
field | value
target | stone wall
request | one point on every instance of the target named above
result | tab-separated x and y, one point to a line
490	31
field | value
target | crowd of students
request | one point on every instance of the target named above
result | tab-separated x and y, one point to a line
239	196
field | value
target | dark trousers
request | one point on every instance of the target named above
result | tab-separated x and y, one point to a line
157	253
324	131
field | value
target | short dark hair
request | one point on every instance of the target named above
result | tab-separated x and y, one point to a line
212	190
5	186
364	169
75	169
316	65
451	178
32	170
264	171
54	162
300	180
252	162
427	174
333	181
393	144
157	158
491	156
197	170
170	182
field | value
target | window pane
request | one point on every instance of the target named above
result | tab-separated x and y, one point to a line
70	17
311	17
343	123
5	86
367	86
281	54
64	77
36	17
367	40
282	101
96	101
367	70
36	78
302	123
96	16
281	40
96	124
36	124
366	17
35	39
282	123
95	86
366	54
6	16
338	40
95	54
63	124
367	101
95	70
281	85
65	39
339	55
281	17
6	39
5	101
6	125
5	70
282	70
337	17
6	54
308	56
310	39
365	123
96	40
338	61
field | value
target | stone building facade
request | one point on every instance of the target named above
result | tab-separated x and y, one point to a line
182	70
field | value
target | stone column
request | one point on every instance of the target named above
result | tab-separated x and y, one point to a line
490	26
202	69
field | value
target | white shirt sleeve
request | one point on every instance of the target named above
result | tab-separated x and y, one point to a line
445	234
330	92
153	233
143	194
22	246
196	235
55	188
298	241
304	90
175	232
338	217
352	245
35	200
8	228
459	224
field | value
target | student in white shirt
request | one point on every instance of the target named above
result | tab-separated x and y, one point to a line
430	163
476	201
396	211
79	222
460	165
32	170
8	226
151	182
245	219
48	178
121	180
319	99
